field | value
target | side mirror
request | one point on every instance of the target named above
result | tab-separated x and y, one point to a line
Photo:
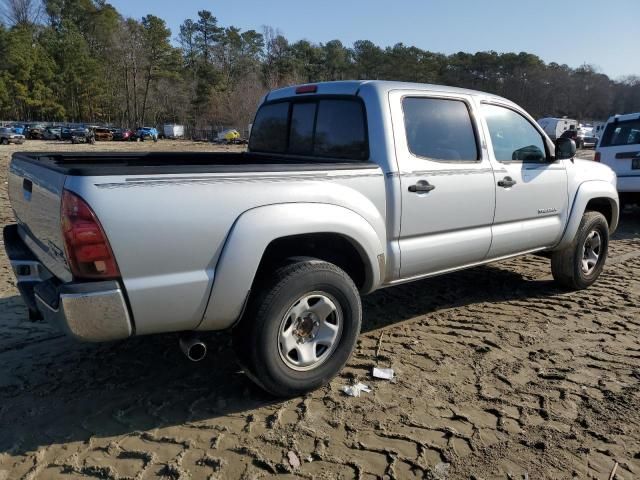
565	148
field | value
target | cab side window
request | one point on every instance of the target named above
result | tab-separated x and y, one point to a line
513	137
440	129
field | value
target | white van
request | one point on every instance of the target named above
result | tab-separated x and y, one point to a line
555	127
171	130
619	148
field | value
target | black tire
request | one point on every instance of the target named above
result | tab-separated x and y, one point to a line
566	264
5	141
256	337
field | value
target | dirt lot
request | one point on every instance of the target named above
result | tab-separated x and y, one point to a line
499	375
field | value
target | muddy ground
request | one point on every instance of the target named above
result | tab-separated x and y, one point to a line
499	375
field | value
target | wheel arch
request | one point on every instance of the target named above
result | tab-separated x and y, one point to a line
336	248
597	195
259	238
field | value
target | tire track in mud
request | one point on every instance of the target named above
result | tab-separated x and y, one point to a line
544	384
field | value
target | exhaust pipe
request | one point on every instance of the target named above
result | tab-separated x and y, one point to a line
193	348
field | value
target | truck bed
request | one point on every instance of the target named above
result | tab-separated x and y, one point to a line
167	215
103	164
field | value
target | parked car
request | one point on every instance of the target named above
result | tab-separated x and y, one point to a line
347	187
83	135
581	137
555	127
122	134
103	134
228	136
65	133
8	135
52	133
146	133
34	132
17	128
619	148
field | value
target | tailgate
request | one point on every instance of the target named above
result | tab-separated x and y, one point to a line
35	192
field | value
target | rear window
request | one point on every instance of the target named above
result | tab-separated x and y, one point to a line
439	129
621	133
326	128
269	131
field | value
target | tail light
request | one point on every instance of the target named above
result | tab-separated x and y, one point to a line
88	251
596	158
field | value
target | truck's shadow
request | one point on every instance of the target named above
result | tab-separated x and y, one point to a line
53	390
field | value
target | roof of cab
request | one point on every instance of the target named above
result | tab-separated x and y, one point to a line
352	87
624	118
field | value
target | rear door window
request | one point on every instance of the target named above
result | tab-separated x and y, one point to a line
621	134
323	128
440	129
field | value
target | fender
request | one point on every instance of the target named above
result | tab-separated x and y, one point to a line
255	229
586	192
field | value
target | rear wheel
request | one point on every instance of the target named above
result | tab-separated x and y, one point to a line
580	264
300	329
4	141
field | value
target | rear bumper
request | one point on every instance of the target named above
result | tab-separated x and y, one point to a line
90	312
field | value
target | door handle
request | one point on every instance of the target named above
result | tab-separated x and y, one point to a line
422	186
506	182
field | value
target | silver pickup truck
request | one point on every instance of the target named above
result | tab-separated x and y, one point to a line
346	187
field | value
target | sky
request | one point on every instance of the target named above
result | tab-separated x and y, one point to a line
602	33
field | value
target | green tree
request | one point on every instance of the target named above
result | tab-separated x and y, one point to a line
160	58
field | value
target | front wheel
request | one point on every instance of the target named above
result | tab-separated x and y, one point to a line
580	264
300	329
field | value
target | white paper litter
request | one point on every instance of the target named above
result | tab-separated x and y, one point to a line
385	373
294	461
354	390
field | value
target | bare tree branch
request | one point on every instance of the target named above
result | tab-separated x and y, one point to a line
21	12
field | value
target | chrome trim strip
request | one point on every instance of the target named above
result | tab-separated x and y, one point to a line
157	181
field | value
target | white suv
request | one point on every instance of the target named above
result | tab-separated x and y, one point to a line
619	148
